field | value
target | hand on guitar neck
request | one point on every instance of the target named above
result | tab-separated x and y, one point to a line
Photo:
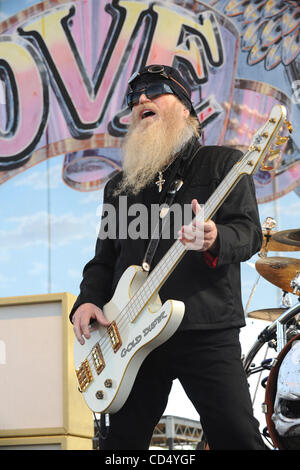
82	318
199	235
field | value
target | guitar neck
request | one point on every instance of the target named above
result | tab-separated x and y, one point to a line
222	191
174	255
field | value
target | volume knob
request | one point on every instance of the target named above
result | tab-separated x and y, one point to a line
108	383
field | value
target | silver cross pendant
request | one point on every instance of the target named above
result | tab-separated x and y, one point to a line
160	181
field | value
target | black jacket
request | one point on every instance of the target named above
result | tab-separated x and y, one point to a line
212	295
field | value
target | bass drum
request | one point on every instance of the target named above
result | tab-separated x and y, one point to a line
280	442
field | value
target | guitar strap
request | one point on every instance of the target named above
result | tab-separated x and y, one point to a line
175	186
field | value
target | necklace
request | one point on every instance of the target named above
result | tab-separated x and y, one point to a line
159	183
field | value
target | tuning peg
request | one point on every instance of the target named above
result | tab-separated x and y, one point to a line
272	154
281	140
264	167
264	163
289	125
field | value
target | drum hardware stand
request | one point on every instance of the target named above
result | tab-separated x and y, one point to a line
268	224
266	434
264	365
295	284
281	336
102	424
269	333
286	301
281	330
251	295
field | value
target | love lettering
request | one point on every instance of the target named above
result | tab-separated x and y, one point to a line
53	65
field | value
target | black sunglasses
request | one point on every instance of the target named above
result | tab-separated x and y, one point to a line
151	91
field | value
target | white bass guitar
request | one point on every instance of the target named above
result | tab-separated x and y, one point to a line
107	364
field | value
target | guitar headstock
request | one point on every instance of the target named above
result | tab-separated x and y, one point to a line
260	148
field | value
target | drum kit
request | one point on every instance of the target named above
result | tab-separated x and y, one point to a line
282	385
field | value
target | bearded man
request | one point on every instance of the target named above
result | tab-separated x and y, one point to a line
162	146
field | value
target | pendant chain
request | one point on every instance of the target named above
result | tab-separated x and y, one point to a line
160	182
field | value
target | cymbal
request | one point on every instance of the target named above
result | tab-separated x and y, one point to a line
278	270
289	238
281	241
267	314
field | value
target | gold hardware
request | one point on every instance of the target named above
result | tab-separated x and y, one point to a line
289	125
84	375
99	395
250	162
272	154
281	140
108	383
98	358
265	134
272	120
264	167
114	336
255	148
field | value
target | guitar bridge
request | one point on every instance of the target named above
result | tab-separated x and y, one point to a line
114	336
84	375
98	359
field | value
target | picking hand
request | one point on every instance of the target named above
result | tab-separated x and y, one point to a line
81	321
198	235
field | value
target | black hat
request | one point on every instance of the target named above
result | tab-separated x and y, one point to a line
170	75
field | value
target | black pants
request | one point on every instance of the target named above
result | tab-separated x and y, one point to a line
208	365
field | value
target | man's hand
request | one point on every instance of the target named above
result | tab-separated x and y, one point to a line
199	235
81	321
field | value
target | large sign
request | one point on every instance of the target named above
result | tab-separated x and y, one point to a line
65	68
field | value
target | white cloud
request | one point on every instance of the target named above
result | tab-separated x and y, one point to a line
37	269
5	281
74	273
38	179
292	209
90	248
93	196
4	256
32	230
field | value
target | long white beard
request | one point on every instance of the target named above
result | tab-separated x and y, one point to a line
149	148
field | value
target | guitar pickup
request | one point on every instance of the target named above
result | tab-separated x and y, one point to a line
114	336
84	375
98	359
